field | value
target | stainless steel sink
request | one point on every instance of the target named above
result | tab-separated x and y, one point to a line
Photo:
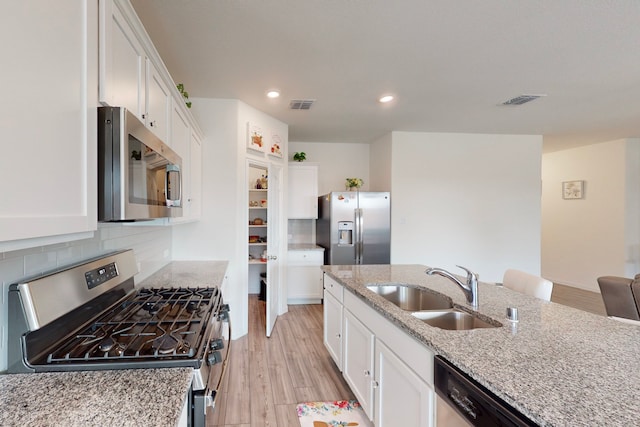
412	299
453	319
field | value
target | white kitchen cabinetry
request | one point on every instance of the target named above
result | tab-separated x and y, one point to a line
397	386
304	276
357	368
180	133
187	144
194	193
49	122
303	191
132	75
122	62
158	104
385	368
333	294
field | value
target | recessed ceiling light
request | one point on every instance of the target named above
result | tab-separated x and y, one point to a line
273	93
386	98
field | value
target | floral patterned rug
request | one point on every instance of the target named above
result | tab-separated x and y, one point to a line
340	413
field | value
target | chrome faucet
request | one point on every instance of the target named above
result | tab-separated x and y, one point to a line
470	289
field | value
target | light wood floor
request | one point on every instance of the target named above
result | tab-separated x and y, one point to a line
268	377
578	298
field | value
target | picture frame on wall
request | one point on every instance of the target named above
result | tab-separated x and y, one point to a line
573	190
275	145
255	137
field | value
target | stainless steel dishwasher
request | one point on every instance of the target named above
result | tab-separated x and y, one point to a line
462	402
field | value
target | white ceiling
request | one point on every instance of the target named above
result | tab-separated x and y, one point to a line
448	62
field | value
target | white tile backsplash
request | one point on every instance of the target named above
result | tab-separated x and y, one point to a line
151	245
302	231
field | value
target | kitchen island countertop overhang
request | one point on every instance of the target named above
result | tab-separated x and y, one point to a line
557	365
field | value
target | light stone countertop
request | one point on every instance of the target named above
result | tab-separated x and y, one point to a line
558	365
304	247
134	397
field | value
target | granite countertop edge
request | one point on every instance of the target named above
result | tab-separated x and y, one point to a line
557	365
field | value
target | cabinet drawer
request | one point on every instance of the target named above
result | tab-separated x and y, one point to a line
334	288
305	257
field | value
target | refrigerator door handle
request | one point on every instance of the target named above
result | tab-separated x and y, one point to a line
359	239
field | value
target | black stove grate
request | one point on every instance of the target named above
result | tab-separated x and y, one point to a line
159	323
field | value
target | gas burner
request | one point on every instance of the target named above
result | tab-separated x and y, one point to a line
167	344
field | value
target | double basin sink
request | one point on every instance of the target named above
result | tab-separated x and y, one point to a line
432	308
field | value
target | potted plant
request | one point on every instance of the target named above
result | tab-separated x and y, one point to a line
300	157
353	183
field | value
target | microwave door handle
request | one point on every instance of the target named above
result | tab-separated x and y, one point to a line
176	187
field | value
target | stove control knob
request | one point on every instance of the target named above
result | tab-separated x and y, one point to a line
216	344
214	357
223	314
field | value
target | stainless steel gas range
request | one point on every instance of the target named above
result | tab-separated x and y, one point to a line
91	317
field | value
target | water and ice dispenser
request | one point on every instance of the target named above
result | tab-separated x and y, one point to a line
345	233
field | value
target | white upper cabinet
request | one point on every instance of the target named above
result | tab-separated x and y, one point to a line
122	62
158	104
194	196
180	132
131	73
48	121
303	191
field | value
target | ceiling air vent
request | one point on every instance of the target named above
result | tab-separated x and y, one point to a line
301	104
522	99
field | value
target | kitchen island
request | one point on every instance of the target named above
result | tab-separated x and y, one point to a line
558	366
129	397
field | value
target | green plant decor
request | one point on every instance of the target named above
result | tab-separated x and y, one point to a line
300	157
353	183
185	94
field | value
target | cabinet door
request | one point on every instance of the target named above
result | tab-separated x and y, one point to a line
194	196
180	133
49	121
304	276
402	398
358	345
333	328
122	62
303	192
158	103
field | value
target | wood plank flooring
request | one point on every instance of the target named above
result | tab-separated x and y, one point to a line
578	298
267	377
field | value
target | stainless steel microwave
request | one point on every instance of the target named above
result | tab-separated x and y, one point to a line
139	176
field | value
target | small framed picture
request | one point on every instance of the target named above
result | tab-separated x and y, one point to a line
573	189
255	137
276	145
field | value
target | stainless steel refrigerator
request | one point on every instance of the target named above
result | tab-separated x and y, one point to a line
354	227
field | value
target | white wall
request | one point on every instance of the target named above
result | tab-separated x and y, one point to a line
151	245
598	235
221	233
466	199
380	161
336	163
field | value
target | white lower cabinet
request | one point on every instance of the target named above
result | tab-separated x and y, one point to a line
358	360
304	276
390	373
402	397
333	320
